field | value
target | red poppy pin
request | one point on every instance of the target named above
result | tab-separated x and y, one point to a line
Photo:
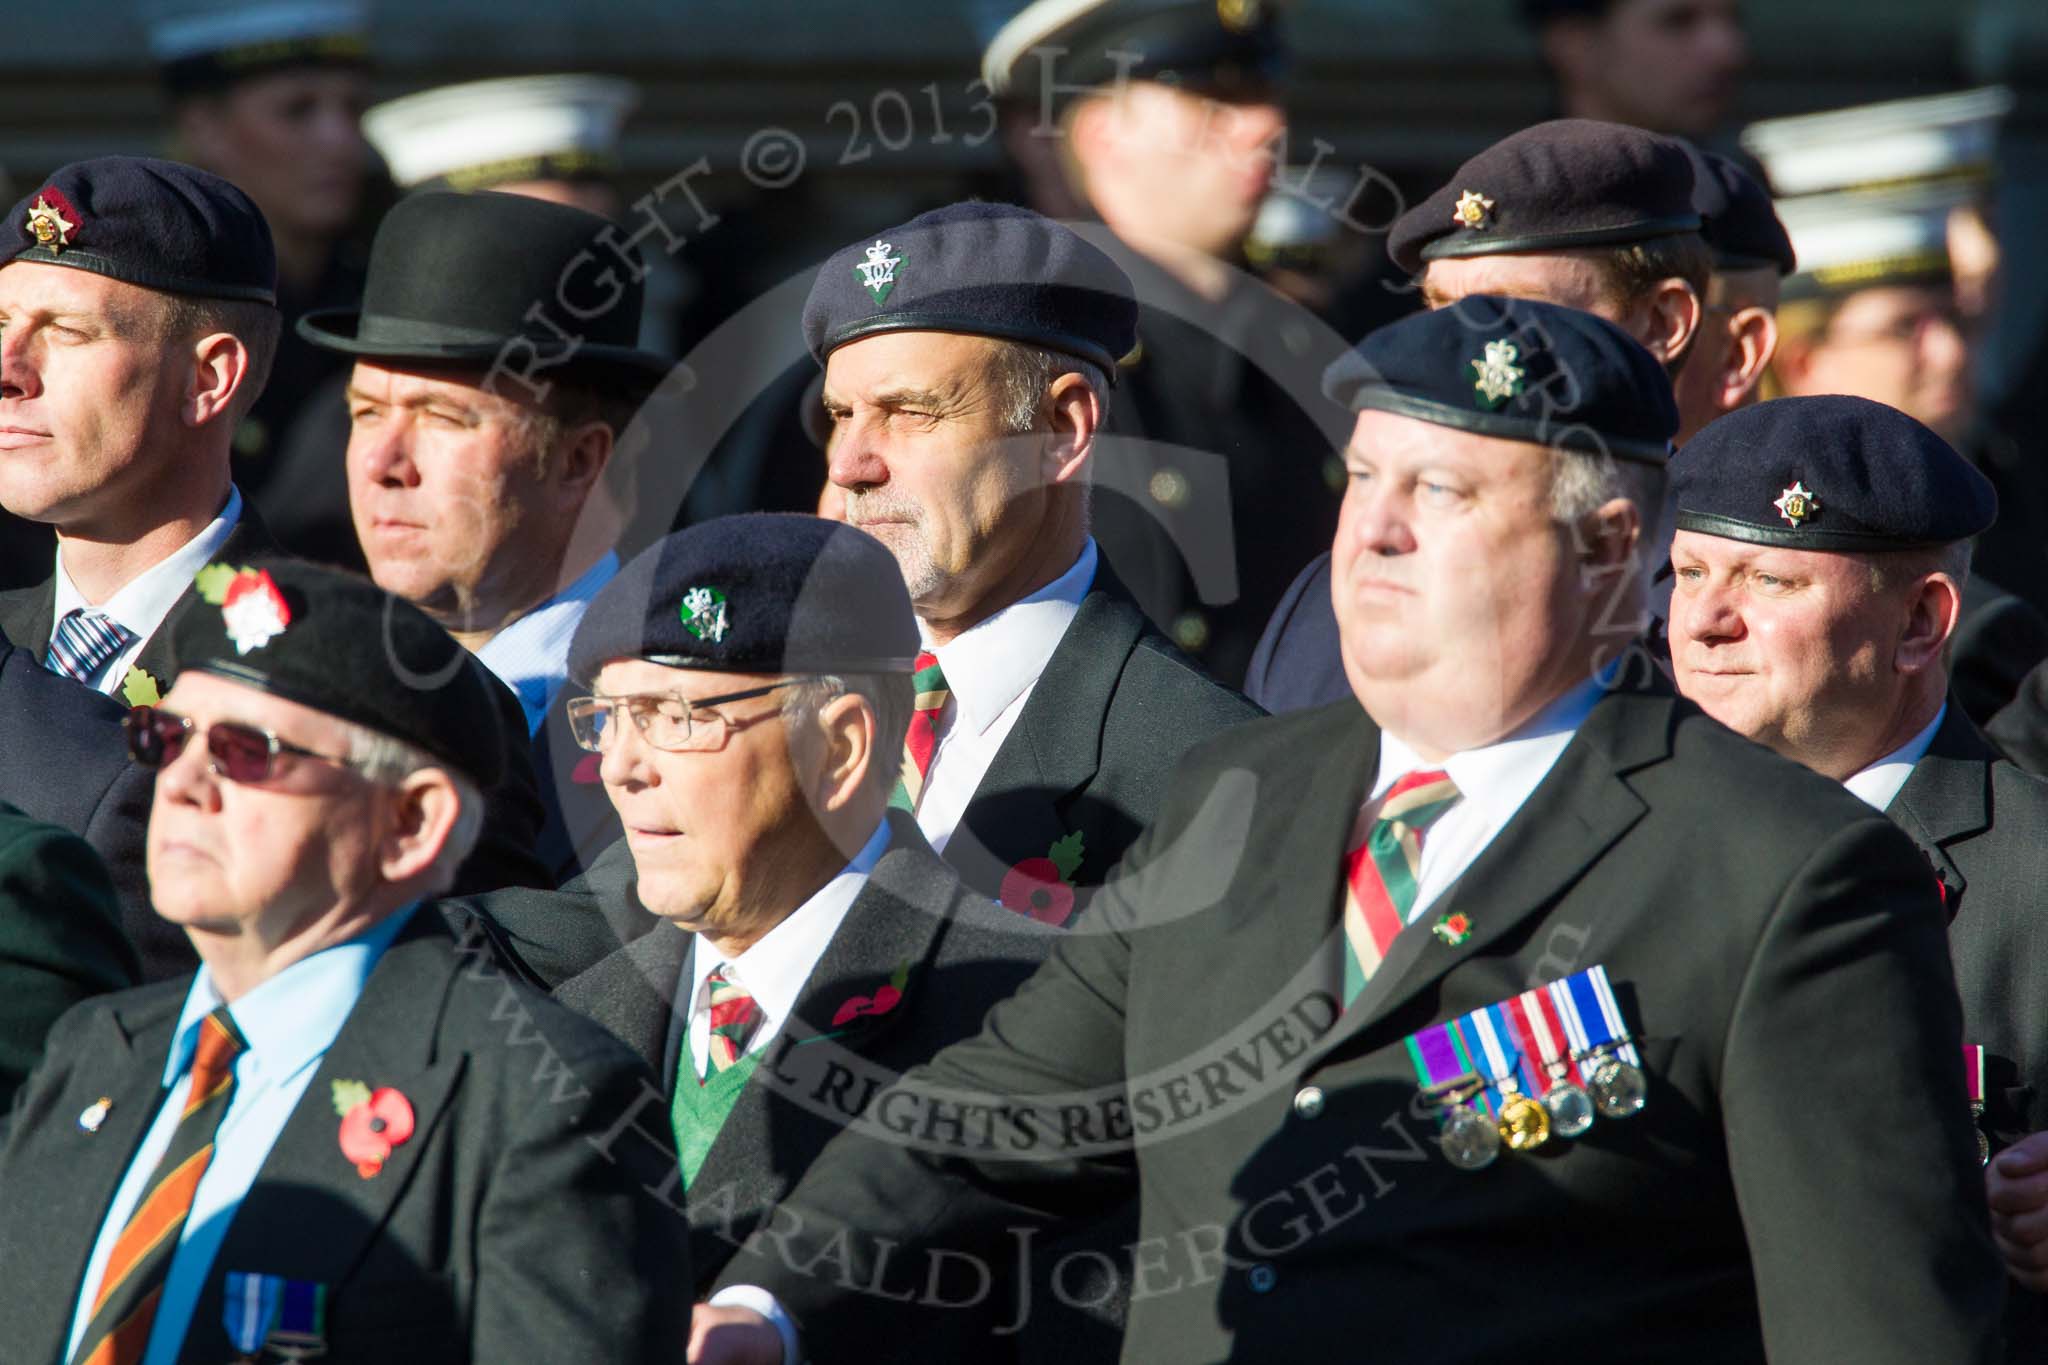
372	1123
1454	927
251	605
1043	888
884	999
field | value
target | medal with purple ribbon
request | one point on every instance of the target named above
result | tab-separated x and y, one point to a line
1444	1064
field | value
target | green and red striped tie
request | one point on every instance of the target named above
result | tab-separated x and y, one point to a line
735	1014
124	1309
922	739
1383	867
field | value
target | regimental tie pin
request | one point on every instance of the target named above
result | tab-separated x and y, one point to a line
94	1114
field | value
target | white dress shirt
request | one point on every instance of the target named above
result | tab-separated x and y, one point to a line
775	968
531	655
144	601
1878	785
990	671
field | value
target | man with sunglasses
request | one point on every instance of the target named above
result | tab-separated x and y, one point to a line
339	1136
791	944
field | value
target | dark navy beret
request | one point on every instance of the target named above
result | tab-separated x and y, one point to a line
341	644
1517	369
1219	47
991	270
764	592
1737	216
1568	183
1828	473
158	224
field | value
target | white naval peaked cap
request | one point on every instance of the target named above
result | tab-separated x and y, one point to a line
182	29
1880	144
489	132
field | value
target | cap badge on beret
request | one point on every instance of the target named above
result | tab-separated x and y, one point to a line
251	607
1797	504
1239	16
1471	209
878	272
47	221
703	614
1499	378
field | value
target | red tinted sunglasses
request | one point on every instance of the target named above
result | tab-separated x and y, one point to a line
240	753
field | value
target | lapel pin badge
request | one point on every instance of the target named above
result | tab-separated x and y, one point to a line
94	1114
373	1122
1453	927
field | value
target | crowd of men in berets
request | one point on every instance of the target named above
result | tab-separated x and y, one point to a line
1569	897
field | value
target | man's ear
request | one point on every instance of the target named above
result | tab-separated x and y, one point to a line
421	815
1932	611
220	366
1607	538
847	752
576	465
1752	342
1076	416
1670	319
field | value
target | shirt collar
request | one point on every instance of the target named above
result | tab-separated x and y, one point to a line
1495	779
1878	785
531	655
145	600
776	967
294	1016
990	665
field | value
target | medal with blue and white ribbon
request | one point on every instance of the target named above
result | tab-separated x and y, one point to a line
1451	1084
1600	1043
1524	1122
248	1307
1541	1027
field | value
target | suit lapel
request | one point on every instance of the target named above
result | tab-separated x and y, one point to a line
122	1061
1947	798
389	1040
1582	806
1019	810
28	616
632	993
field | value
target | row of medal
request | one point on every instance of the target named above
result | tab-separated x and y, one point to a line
1538	1065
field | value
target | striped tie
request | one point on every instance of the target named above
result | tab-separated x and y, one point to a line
125	1307
734	1016
1382	868
922	740
83	642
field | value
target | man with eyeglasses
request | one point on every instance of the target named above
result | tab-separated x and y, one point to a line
791	944
339	1136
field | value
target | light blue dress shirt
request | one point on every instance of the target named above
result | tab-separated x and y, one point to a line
531	656
289	1023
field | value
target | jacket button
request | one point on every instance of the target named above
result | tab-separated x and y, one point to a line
1308	1101
1262	1278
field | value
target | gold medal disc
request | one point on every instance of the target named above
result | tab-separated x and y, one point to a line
1524	1123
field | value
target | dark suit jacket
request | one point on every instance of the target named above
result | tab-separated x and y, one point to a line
1297	666
1113	712
2020	730
1776	946
60	937
579	821
505	1230
63	759
1983	824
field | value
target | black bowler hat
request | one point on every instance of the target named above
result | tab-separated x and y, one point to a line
1737	217
342	645
1829	473
155	224
1218	47
1517	369
763	592
992	270
455	279
1570	182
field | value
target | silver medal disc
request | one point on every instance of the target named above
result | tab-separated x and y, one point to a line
1571	1109
1618	1089
1470	1143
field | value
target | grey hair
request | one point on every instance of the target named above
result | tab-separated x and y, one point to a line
888	695
383	758
1581	482
1023	373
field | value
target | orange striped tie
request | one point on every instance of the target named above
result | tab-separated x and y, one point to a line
125	1308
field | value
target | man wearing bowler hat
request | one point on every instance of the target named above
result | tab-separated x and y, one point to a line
342	1135
496	364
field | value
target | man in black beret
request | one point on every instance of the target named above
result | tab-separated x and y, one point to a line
791	943
1669	65
496	367
1162	118
336	1137
1822	549
1508	871
970	361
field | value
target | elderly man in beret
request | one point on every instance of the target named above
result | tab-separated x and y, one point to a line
750	685
969	359
1577	966
496	366
1822	550
339	1136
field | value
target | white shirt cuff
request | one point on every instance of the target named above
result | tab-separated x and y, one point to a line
764	1303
